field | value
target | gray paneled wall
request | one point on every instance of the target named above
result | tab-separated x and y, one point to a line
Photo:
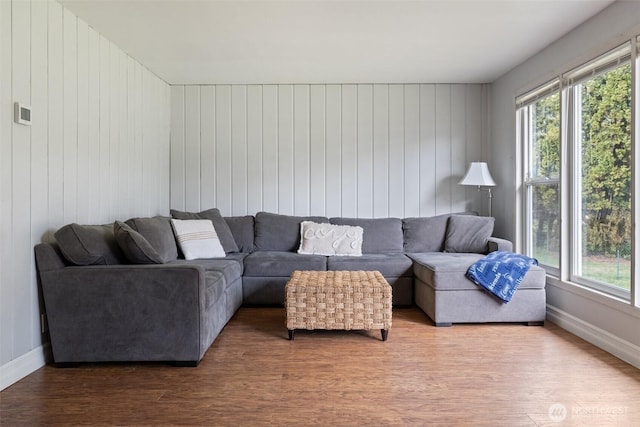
97	150
365	150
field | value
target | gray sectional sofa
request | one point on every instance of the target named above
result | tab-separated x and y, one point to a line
122	292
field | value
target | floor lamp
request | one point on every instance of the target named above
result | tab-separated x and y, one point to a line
478	175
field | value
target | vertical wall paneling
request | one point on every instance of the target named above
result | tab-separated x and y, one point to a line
427	150
366	150
132	159
396	150
411	150
223	149
6	120
114	126
207	146
254	149
39	167
285	150
70	114
443	149
239	149
192	148
55	118
141	171
334	150
93	110
317	150
270	185
81	160
458	146
124	171
104	94
177	147
301	152
349	155
380	150
21	176
83	157
474	138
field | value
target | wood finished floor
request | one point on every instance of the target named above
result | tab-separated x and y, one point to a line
484	375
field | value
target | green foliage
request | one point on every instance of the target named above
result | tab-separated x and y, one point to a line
606	167
606	156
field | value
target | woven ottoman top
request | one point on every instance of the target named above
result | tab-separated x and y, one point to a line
338	278
338	300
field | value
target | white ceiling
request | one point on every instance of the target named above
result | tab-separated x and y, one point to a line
331	41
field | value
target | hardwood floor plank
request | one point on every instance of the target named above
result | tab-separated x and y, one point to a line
480	375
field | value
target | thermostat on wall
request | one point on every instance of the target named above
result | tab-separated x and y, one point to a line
22	114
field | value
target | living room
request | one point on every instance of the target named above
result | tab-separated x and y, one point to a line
118	132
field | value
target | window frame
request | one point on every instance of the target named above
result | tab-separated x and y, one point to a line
569	185
525	125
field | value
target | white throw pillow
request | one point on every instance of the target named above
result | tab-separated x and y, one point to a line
197	238
330	239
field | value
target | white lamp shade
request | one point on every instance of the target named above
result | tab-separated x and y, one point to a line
478	174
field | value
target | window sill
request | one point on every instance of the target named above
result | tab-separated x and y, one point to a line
611	301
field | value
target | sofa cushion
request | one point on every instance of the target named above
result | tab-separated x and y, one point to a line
89	244
231	268
426	234
469	234
242	229
446	271
380	235
135	247
276	232
197	238
158	232
281	264
222	228
330	239
389	265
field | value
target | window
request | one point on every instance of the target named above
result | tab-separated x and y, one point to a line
577	137
600	109
539	115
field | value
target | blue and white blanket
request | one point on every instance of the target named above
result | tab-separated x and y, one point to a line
500	273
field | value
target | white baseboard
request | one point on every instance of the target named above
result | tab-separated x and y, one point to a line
620	348
17	369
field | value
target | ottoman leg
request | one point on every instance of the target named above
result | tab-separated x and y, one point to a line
291	334
385	332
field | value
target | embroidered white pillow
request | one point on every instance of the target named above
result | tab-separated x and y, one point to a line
330	239
197	238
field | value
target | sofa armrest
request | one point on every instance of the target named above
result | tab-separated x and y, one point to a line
124	312
498	244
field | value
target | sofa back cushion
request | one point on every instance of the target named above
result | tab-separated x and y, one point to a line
89	244
426	234
379	235
158	232
137	249
242	230
468	234
219	224
274	232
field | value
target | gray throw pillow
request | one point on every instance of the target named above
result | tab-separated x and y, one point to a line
469	234
219	224
426	234
158	232
136	248
89	244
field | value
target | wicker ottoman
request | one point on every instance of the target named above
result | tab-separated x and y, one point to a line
338	300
